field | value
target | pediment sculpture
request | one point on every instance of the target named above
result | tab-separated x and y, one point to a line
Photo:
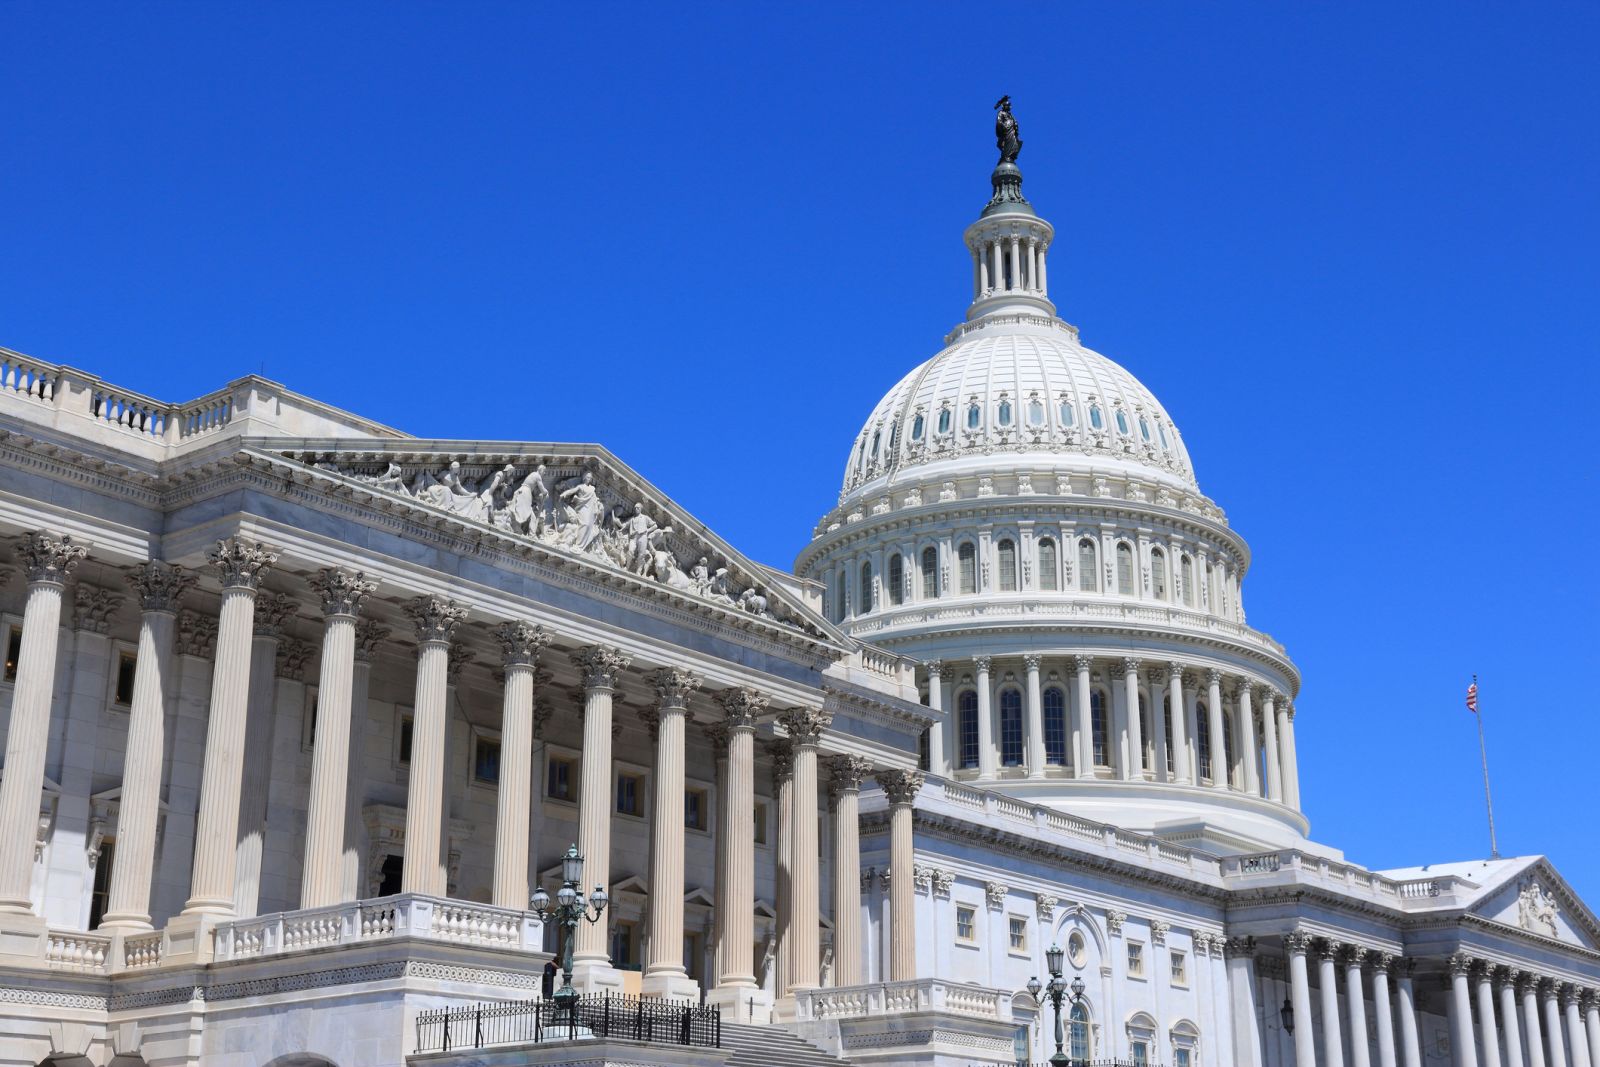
1536	910
574	511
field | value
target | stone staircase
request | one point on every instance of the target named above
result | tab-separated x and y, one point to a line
772	1046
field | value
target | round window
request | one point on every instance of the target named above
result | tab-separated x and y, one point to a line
1077	950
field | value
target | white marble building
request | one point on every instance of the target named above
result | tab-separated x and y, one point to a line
299	708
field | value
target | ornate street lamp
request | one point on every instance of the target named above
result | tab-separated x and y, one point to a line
570	909
1057	990
1286	1013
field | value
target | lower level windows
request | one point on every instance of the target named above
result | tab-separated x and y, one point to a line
1010	728
1055	727
966	924
968	712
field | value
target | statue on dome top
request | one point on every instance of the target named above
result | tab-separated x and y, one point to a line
1007	136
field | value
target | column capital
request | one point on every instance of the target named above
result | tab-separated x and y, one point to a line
805	725
1570	994
1461	964
600	665
935	668
92	607
240	562
1213	676
1130	665
717	734
742	706
1030	662
1329	949
1239	948
901	787
49	560
673	686
845	772
272	611
435	618
342	592
293	656
1084	664
782	756
520	643
1175	671
369	635
1352	955
197	634
1298	942
158	585
981	664
1527	983
1383	962
1590	1001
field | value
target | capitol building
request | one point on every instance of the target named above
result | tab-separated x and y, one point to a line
302	714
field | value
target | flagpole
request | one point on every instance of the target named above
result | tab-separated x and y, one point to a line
1483	753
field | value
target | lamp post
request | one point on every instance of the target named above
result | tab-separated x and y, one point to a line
571	908
1057	990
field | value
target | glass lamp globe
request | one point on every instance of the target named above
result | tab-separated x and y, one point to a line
1034	988
541	899
1052	958
572	866
566	895
598	898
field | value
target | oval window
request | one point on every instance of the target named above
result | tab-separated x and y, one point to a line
916	428
1144	428
973	417
1035	413
1005	413
1066	413
1094	417
1122	423
1077	951
1162	430
944	420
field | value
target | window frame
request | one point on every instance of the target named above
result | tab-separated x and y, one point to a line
970	939
1136	959
1005	553
482	736
1013	923
964	715
1049	569
573	761
1055	727
1011	728
121	652
929	572
621	770
897	580
967	568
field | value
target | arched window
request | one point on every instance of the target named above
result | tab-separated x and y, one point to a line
1004	413
967	708
1188	582
1202	739
1158	573
1007	551
897	579
1099	729
1047	563
1095	421
1124	569
866	588
1010	727
1035	412
917	427
1079	1037
1055	727
1211	588
974	416
967	559
930	573
1067	417
944	420
1088	569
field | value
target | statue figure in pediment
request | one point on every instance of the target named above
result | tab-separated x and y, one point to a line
1536	910
641	532
754	603
445	490
700	574
665	567
720	587
393	479
583	512
528	510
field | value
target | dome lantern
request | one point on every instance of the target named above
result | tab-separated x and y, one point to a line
1009	241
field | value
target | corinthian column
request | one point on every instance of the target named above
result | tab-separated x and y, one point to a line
424	869
1291	761
844	787
1247	730
520	645
158	587
1549	993
1488	1036
261	714
1506	979
1466	1053
781	752
322	876
1575	1036
47	562
1269	744
1327	976
1297	944
1382	1013
353	880
1082	724
985	720
936	747
805	726
1591	1023
1406	1008
1030	665
1219	738
1355	999
664	973
736	993
1180	731
1133	771
600	666
901	787
1528	988
240	564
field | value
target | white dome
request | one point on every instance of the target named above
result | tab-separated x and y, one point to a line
1016	391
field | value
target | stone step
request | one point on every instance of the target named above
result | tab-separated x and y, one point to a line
772	1046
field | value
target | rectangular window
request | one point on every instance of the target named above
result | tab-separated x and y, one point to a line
1011	728
969	730
696	809
102	882
630	794
922	751
966	928
561	778
1180	968
622	946
486	760
1047	564
1180	1058
406	729
308	722
126	662
1141	1054
1055	727
761	822
967	558
1018	932
13	651
1135	959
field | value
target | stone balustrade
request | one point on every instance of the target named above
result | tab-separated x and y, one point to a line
76	950
405	915
880	998
1293	865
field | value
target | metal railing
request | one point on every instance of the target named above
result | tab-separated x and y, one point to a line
658	1022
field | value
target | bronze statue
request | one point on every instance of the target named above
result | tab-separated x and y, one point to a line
1007	137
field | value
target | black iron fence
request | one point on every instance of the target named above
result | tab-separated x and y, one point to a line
518	1022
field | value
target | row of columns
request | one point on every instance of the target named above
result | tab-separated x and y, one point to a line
1277	780
1555	1017
1019	258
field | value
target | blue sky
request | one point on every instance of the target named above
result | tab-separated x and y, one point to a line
1351	247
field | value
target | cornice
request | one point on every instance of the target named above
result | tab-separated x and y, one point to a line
864	704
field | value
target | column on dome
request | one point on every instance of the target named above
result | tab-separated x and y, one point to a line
1044	277
1133	769
1528	990
424	869
355	886
1406	1010
1217	728
1290	762
901	788
736	993
1460	1011
664	974
158	586
937	760
986	753
1327	978
1181	767
1015	262
1298	944
1250	752
1355	999
261	716
980	273
47	561
600	666
1157	681
240	564
342	593
1082	720
1488	1035
1382	1010
1269	743
805	726
520	646
1035	709
845	773
1576	1041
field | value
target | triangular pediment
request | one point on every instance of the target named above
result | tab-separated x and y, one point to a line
1532	897
577	503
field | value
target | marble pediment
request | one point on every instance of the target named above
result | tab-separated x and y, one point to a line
582	504
1539	901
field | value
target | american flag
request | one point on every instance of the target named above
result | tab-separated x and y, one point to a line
1472	697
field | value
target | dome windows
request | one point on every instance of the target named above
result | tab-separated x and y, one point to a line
1067	418
967	561
897	579
1158	573
894	436
1096	421
917	427
1047	563
1010	727
1161	431
1035	412
1124	569
1122	422
944	420
1088	568
1003	413
1144	428
866	588
974	415
877	437
930	573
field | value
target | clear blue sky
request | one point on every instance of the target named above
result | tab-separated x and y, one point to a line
1352	248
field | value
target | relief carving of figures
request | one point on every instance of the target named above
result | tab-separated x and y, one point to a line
582	511
1536	910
